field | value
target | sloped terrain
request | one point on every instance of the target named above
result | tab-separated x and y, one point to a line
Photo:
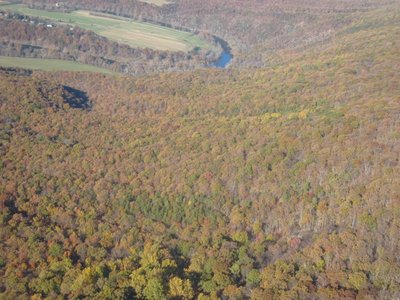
273	183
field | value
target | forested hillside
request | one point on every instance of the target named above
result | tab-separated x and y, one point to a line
271	183
254	29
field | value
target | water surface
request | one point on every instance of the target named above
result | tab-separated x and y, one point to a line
223	60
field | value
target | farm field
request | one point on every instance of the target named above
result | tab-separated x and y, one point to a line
49	65
157	2
122	30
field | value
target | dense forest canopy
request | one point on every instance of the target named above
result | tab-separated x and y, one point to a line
275	182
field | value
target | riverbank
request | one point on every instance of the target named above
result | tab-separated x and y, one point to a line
226	56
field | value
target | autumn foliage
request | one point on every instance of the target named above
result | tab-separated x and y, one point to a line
269	183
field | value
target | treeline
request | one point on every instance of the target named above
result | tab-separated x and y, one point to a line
28	37
276	183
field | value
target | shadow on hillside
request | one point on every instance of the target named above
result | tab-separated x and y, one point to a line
76	98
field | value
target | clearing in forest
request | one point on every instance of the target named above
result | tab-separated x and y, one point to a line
122	30
156	2
49	65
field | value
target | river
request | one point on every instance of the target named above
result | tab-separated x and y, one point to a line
223	60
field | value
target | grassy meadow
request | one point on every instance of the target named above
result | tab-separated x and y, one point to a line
157	2
122	30
49	65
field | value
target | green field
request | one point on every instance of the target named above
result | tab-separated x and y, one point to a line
157	2
122	30
49	65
